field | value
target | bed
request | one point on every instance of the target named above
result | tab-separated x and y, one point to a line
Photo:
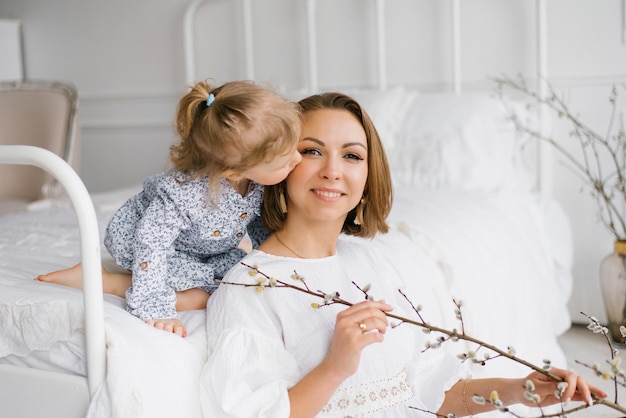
466	210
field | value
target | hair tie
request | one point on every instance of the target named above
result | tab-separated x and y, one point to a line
210	99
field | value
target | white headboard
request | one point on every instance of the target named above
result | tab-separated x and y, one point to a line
378	9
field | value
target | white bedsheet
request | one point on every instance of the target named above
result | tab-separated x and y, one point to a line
492	249
149	373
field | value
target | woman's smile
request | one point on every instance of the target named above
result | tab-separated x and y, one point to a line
328	194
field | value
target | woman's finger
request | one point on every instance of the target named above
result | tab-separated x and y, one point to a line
577	388
372	314
371	323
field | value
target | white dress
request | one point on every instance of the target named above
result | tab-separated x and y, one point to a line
262	343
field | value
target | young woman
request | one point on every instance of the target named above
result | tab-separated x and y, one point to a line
183	230
272	355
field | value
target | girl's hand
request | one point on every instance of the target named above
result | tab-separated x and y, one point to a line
169	325
577	388
358	326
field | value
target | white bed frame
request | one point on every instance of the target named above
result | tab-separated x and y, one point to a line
544	152
68	396
57	394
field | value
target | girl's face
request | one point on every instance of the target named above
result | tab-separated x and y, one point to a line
330	179
274	171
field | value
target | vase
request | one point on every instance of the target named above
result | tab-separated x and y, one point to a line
613	284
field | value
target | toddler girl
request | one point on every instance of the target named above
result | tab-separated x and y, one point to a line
183	230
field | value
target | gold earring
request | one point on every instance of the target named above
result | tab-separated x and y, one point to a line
282	203
358	219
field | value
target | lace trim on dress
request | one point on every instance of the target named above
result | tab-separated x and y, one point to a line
369	397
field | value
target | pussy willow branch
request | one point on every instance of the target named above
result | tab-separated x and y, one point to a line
329	298
549	415
603	186
592	140
421	323
609	344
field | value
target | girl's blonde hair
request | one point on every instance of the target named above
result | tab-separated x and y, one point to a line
378	192
245	125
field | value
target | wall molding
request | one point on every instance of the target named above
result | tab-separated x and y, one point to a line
156	110
128	111
132	125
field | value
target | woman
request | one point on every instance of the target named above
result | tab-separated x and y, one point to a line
271	354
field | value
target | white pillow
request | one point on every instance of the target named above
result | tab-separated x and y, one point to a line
388	110
442	140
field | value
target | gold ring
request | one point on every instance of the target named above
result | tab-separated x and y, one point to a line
363	327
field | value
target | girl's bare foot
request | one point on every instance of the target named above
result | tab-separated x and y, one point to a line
112	283
72	277
117	284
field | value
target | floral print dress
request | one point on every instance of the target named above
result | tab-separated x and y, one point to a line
172	239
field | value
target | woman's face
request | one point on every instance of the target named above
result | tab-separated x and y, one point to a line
330	179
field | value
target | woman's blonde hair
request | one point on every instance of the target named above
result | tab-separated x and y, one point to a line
245	125
378	192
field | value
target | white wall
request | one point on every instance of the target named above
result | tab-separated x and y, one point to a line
126	59
11	68
587	57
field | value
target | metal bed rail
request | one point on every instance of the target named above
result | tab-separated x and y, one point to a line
90	249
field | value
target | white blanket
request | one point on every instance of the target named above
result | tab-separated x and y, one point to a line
499	259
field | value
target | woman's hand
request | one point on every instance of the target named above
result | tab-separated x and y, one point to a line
358	326
545	387
169	325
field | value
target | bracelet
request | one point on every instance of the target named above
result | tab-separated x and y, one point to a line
467	411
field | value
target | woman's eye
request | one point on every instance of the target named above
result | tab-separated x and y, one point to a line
310	151
354	156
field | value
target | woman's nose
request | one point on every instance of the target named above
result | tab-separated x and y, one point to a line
331	169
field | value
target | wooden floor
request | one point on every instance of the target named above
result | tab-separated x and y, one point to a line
582	345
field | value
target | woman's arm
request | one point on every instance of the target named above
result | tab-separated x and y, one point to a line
458	399
312	392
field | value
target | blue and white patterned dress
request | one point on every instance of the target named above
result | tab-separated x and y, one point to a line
172	239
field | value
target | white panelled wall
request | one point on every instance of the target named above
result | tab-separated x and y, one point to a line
126	59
